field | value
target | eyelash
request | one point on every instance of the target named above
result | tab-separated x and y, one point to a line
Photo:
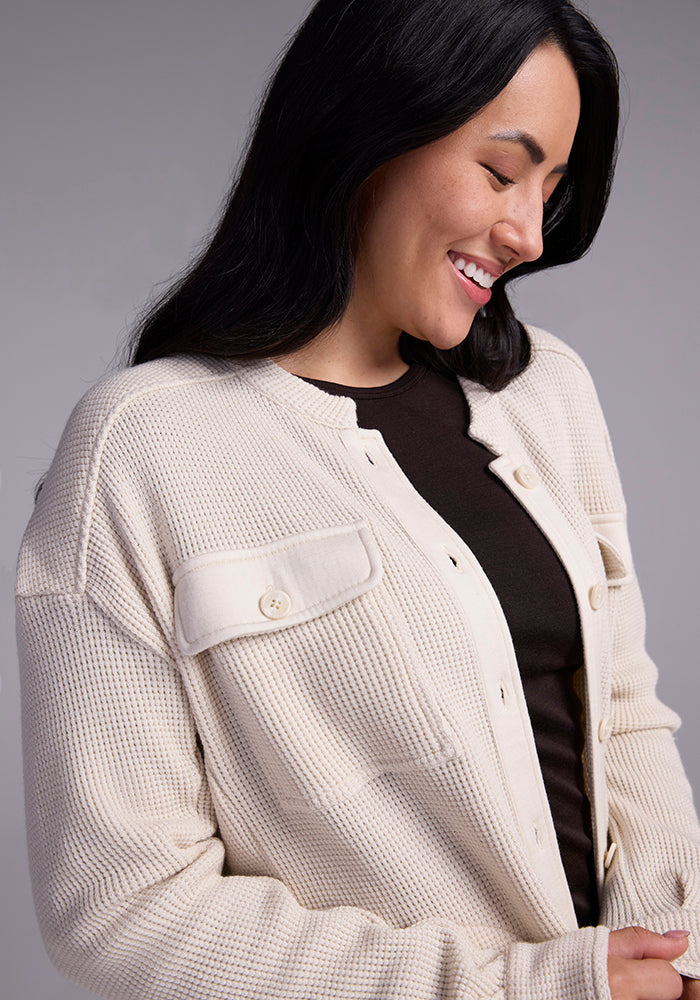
505	181
501	178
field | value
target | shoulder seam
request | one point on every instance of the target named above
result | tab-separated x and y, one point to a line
560	349
80	568
73	597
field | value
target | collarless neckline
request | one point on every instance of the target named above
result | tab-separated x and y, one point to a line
284	389
411	377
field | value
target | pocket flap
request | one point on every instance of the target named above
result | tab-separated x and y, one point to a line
611	533
222	595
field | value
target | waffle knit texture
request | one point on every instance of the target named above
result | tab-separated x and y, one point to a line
275	738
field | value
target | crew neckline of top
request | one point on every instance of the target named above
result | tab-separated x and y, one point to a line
270	379
284	389
411	377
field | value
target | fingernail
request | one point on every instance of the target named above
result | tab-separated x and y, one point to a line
677	934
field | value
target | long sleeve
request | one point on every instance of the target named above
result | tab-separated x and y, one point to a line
654	874
653	863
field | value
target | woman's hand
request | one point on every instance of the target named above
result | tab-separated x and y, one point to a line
639	966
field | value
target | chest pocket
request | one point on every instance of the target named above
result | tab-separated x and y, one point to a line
223	595
300	641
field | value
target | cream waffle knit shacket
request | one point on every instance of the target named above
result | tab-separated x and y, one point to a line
276	741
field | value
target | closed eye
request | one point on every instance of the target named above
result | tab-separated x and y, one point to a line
501	178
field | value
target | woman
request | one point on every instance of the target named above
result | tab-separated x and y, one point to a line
325	698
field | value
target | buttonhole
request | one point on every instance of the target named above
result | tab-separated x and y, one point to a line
453	559
369	458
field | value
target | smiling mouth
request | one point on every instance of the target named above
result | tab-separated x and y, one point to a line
470	270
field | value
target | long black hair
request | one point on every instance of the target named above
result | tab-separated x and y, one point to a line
362	82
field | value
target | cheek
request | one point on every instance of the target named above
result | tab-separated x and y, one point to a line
458	210
393	237
473	208
411	196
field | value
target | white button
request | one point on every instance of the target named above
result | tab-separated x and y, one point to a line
275	604
596	596
609	855
604	728
526	476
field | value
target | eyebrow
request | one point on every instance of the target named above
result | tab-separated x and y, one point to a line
534	150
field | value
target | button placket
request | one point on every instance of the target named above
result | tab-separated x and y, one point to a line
580	559
526	476
454	560
463	575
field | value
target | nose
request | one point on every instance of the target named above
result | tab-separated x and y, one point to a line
519	231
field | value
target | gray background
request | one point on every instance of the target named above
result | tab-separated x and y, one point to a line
121	122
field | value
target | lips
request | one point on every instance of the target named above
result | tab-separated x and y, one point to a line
475	276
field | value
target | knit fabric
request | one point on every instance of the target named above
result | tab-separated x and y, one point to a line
275	737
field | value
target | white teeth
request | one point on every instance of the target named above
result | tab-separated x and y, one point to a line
477	274
483	278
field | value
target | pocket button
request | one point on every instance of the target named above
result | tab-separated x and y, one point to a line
275	604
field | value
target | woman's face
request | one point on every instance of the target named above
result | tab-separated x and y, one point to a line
444	221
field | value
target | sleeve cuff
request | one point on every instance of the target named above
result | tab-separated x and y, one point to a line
571	967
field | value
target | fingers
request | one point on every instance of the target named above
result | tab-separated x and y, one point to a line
643	979
639	965
639	943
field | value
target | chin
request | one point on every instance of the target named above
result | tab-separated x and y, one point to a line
444	338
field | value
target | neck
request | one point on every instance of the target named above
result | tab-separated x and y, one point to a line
346	360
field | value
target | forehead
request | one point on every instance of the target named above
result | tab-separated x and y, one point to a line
542	99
